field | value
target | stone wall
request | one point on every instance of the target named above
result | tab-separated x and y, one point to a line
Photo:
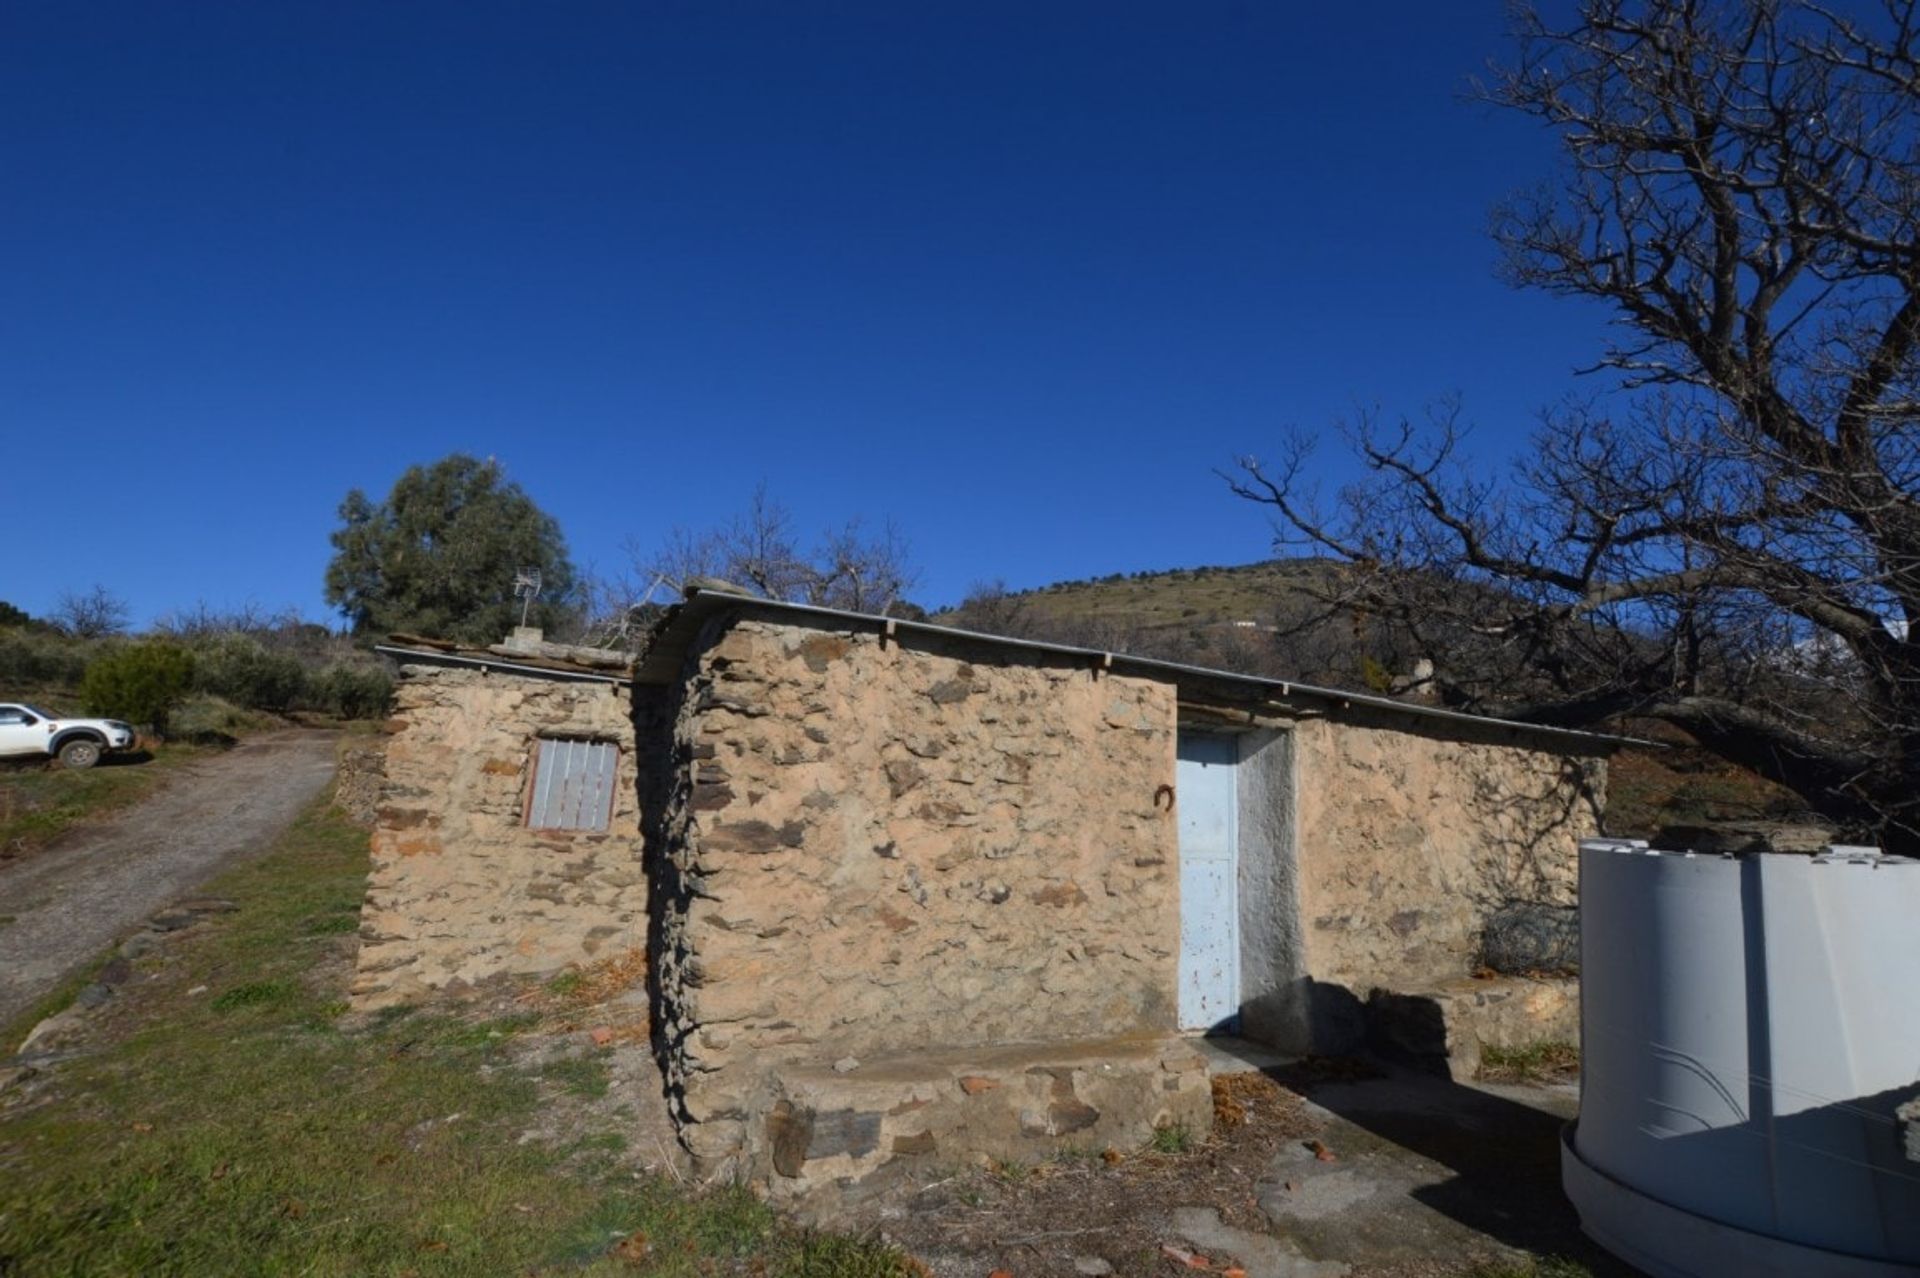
880	848
1408	842
460	890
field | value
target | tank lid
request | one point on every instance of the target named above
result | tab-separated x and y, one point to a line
1613	845
1859	854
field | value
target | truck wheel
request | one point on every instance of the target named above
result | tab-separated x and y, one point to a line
80	754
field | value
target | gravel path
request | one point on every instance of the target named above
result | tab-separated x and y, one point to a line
74	898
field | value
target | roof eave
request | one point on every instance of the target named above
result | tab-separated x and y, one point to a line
661	663
432	657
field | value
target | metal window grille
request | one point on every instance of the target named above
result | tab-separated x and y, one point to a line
573	784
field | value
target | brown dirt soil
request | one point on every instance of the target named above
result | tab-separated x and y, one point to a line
1107	1204
1445	1170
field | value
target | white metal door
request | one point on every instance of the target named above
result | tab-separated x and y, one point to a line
1209	895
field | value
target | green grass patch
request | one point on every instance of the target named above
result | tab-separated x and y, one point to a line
1533	1267
580	1075
255	994
332	925
39	802
1174	1138
1530	1063
256	1133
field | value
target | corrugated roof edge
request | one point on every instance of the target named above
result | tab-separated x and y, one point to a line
440	657
660	662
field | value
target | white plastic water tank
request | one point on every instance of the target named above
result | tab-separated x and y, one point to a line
1748	1026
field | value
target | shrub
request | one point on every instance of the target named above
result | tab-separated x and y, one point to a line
210	720
36	656
352	691
141	683
239	668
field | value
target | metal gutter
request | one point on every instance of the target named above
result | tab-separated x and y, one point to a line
428	657
660	663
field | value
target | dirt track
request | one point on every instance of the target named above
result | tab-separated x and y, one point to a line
94	884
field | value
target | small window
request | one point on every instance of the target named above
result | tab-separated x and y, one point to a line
573	784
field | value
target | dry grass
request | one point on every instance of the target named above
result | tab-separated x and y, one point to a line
1541	1062
1648	790
605	997
591	984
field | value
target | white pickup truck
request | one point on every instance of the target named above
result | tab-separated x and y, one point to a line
27	732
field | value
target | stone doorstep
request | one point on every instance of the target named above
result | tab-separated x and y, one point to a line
830	1129
1444	1029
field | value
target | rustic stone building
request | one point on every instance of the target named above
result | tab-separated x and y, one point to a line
915	893
472	879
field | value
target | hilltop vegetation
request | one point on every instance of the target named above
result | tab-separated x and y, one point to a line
1175	597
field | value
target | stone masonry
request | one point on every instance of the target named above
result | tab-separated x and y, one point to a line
460	889
914	897
1409	842
868	848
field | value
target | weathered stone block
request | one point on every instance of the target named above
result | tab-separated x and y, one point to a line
1024	1103
844	1131
753	836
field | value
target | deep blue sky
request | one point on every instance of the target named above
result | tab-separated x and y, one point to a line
1017	275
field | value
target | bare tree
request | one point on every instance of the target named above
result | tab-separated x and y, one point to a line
93	614
849	567
990	608
617	609
1737	552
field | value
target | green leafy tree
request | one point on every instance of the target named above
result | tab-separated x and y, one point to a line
438	556
243	670
140	683
13	616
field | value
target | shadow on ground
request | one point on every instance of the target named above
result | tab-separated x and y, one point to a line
1425	1166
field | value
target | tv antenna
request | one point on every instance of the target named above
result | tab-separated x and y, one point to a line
526	584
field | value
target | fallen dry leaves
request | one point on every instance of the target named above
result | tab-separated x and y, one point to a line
1228	1109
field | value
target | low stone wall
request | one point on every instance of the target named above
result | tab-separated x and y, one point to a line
460	890
1409	843
832	1135
879	849
1448	1028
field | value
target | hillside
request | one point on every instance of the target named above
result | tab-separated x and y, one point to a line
1176	597
1259	618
